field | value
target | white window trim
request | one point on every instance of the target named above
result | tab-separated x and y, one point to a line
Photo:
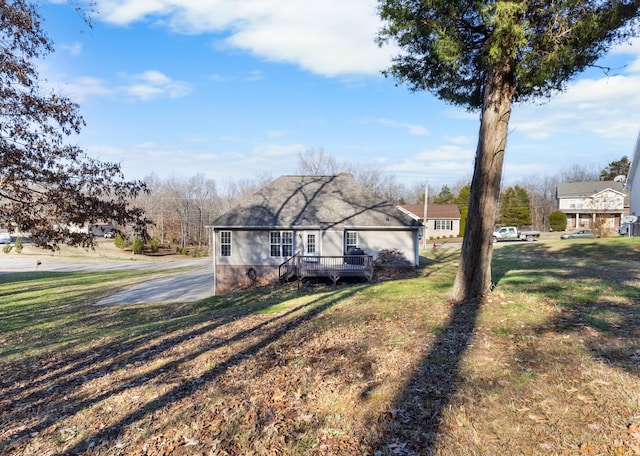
224	244
281	243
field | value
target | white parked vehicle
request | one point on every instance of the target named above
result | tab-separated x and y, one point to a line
627	220
511	233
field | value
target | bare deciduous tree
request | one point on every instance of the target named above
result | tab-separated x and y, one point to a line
47	186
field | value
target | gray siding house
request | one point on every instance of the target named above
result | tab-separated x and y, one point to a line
306	216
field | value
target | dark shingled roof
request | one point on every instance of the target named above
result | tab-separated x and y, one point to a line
314	201
586	189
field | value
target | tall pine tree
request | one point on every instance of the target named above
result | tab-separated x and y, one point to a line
485	55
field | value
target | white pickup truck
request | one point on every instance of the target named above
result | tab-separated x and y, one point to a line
511	233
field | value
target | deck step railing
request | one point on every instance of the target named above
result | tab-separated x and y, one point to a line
333	267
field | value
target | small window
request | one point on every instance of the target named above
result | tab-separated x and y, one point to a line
225	243
287	243
352	240
281	243
444	225
311	244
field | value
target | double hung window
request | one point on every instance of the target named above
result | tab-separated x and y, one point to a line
352	240
225	243
281	243
443	225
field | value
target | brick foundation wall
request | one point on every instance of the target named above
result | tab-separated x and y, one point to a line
230	278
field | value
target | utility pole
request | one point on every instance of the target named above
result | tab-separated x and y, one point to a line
424	215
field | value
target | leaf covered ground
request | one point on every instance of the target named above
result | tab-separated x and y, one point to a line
548	364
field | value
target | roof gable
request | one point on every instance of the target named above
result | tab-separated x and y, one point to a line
587	189
314	201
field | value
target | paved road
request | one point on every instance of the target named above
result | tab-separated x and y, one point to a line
192	285
54	263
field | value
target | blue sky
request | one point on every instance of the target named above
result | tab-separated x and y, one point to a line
234	89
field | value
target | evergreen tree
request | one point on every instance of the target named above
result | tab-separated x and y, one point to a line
462	201
485	55
558	220
445	196
616	168
515	208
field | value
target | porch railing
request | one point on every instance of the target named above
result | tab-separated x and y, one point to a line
333	267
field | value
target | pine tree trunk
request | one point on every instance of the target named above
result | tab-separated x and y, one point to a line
473	280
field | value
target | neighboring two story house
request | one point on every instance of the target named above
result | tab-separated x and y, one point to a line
586	203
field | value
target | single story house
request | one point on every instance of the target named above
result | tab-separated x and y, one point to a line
586	202
309	217
443	220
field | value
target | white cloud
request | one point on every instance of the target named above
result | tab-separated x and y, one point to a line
255	75
317	36
275	134
413	129
175	159
80	89
153	84
73	49
608	107
143	87
439	165
267	151
460	139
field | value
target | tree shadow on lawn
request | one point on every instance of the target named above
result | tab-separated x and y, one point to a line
596	287
51	392
418	412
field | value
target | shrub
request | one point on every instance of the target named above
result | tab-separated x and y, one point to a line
137	246
19	245
119	241
155	245
392	258
599	227
558	221
7	248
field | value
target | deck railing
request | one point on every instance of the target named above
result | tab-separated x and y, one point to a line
333	267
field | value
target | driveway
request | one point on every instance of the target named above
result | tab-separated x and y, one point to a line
189	286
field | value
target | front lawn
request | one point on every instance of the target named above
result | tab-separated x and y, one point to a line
549	364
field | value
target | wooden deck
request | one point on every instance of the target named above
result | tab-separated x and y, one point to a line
300	267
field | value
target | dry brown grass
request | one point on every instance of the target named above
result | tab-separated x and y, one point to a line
549	364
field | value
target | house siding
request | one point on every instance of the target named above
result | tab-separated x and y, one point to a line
329	206
633	180
435	212
232	272
435	234
584	203
332	242
372	242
